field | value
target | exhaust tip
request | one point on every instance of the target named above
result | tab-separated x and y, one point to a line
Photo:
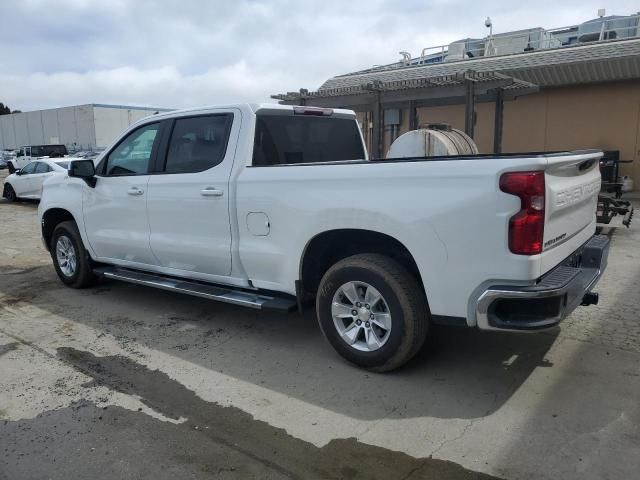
590	298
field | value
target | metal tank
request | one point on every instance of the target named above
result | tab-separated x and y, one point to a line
435	140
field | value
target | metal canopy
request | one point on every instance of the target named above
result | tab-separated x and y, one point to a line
443	90
465	88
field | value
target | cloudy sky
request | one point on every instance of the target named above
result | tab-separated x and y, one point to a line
178	53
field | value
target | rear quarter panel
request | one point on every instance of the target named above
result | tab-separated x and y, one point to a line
449	214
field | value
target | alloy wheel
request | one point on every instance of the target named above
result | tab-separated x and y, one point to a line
66	256
361	316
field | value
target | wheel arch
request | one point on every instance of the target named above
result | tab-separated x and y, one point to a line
328	247
51	218
4	188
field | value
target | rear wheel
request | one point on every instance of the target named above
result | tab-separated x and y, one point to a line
9	193
372	311
70	258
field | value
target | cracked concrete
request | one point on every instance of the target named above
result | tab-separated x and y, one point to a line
454	439
562	404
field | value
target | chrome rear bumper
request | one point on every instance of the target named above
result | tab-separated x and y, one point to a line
554	296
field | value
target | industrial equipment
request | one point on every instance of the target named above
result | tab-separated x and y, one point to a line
434	140
609	202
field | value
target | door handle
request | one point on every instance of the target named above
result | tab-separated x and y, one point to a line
135	191
211	192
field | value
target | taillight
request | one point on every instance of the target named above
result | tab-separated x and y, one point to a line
526	228
316	111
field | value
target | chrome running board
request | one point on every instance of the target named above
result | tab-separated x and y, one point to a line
244	298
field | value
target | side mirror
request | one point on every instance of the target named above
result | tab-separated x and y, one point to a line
84	169
18	172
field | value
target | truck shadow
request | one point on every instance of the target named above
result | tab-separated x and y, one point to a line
461	373
591	401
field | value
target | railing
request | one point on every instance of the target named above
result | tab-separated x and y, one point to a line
542	39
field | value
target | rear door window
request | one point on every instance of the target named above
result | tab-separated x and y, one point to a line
291	139
198	143
55	150
37	151
42	167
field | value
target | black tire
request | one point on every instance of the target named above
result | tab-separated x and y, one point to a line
11	168
82	276
406	302
9	193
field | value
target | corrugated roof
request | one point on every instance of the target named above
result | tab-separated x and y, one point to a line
597	62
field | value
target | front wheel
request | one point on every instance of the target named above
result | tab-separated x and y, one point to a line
70	258
10	193
372	311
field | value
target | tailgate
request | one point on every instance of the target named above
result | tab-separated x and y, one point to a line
572	185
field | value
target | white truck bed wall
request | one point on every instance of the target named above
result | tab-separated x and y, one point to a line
450	214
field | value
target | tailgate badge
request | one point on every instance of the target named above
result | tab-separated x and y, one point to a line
553	241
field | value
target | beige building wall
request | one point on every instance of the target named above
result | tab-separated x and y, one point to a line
605	116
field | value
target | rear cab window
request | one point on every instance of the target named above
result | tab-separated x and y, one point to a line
289	139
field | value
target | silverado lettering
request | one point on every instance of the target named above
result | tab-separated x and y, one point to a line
577	194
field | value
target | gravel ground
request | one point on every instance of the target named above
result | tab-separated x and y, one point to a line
122	381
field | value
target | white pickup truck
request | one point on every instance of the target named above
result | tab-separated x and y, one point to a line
271	206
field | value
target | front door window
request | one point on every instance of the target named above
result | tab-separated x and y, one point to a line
133	155
29	168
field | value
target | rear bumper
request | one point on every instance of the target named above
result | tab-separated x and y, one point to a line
554	296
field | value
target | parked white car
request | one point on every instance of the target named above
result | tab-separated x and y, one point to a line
275	207
27	182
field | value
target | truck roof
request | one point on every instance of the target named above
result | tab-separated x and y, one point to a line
43	145
254	107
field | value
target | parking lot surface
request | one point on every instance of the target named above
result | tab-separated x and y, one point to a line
123	381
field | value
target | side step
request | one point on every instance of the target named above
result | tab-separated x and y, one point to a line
245	298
